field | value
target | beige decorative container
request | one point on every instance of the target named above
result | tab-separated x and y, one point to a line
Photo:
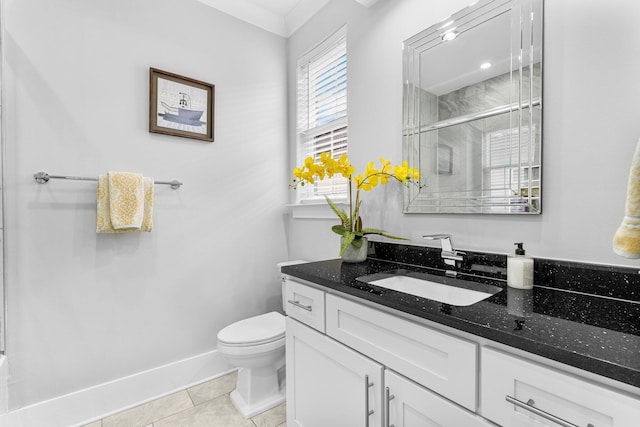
353	254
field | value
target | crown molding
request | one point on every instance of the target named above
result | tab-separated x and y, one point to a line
254	14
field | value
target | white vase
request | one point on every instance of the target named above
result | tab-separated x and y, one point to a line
353	254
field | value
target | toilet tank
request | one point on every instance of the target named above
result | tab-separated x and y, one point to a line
283	264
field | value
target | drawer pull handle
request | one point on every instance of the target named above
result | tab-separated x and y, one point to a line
367	412
389	398
302	306
529	407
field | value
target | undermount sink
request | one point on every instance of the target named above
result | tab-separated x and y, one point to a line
447	290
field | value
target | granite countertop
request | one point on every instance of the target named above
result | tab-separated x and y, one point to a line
596	333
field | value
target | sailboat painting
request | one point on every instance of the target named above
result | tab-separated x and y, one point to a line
180	106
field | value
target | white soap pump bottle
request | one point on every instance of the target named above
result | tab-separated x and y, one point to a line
520	269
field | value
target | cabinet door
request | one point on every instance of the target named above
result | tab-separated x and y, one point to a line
410	405
329	384
514	389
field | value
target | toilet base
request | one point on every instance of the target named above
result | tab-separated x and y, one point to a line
258	390
249	411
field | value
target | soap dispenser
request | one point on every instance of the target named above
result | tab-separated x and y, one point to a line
520	269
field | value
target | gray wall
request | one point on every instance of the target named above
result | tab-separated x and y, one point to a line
83	308
590	125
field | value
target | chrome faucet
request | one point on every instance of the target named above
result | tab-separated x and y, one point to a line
449	254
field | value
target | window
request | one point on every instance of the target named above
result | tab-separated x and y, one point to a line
322	111
504	158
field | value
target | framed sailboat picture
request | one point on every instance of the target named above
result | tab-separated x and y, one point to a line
180	106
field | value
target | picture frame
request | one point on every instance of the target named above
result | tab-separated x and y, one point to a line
180	106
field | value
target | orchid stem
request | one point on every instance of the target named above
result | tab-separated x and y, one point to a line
351	225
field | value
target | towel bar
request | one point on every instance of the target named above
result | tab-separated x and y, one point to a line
43	178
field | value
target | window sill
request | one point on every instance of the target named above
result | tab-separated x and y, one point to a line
320	210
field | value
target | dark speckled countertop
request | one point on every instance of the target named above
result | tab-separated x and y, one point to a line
582	315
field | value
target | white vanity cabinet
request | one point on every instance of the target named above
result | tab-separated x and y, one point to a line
351	364
520	393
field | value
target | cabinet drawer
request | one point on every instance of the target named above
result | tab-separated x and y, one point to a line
438	361
305	304
576	401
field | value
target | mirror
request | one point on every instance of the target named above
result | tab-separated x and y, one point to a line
472	110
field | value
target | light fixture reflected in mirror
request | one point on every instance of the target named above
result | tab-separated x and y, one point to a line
449	35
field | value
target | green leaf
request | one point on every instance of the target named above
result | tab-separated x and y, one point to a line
357	242
389	236
373	231
339	229
347	239
381	233
344	217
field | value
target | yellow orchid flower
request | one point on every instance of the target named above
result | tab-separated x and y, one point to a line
370	177
362	183
351	223
414	174
344	167
328	163
401	173
318	170
386	165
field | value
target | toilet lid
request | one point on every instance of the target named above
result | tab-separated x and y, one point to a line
254	330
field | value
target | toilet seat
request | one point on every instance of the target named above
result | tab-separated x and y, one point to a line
251	351
254	331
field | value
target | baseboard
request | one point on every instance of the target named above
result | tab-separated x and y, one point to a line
84	406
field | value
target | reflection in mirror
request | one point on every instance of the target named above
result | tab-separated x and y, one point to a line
472	110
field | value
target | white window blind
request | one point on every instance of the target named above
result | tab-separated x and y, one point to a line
504	156
322	110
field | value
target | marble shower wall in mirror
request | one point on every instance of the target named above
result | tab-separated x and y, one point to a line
473	110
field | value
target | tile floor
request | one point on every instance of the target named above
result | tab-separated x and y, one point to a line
204	405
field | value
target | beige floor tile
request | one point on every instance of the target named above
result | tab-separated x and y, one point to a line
214	388
218	412
283	425
148	413
272	418
94	424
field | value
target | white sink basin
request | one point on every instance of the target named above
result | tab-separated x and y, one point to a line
467	294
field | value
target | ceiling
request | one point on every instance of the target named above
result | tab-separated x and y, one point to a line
282	17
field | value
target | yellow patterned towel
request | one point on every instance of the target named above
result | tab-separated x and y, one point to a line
104	212
626	241
126	200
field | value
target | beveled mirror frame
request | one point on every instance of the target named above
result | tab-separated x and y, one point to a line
424	148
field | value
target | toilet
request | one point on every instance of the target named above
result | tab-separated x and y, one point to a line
256	346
